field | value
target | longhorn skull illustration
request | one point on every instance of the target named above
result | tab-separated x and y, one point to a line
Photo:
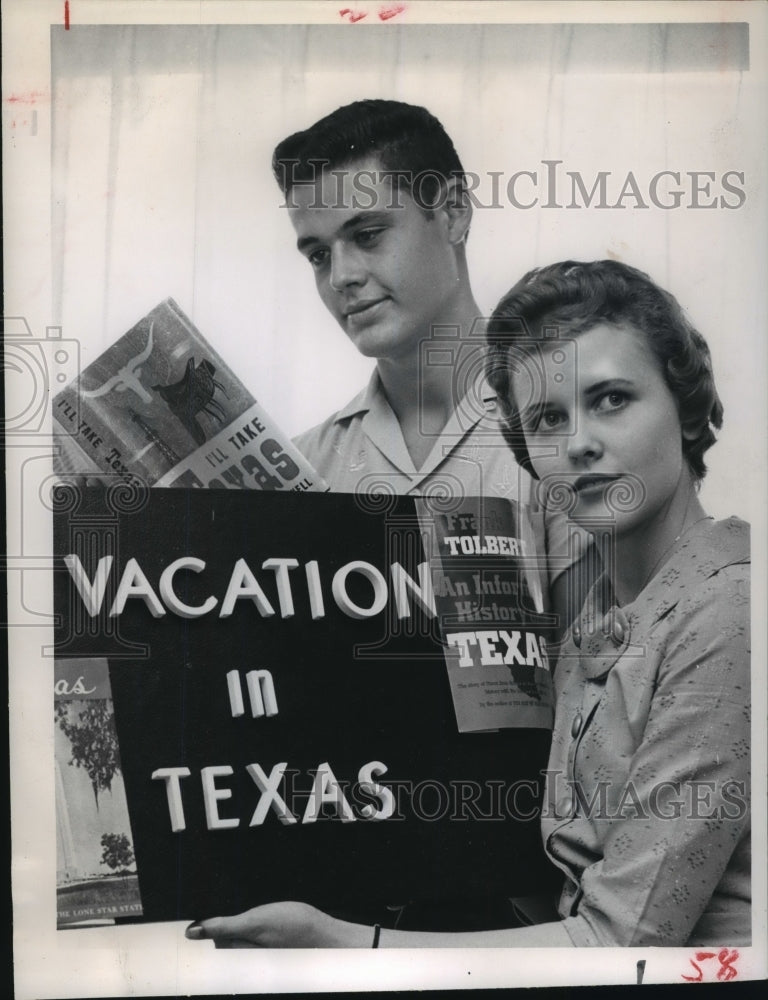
127	378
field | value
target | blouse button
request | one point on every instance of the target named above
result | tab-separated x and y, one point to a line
565	807
613	626
576	725
576	633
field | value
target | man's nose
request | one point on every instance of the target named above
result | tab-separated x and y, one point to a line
584	445
346	268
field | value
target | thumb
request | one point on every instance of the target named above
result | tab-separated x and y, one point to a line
220	928
216	927
223	931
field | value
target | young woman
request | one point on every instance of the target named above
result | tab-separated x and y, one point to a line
610	402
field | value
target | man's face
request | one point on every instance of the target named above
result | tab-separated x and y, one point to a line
384	269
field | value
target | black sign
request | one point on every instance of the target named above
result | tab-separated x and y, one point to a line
285	722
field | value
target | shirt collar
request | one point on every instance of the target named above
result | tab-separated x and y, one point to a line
362	402
479	401
601	638
707	547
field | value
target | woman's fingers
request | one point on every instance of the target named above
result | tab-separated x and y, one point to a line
225	929
274	925
281	925
195	932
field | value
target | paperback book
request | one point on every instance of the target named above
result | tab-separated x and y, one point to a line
96	877
162	407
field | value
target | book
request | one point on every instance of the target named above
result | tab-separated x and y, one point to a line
96	878
160	406
490	606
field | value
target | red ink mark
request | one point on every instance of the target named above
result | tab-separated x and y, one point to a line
386	13
353	15
28	98
725	973
699	974
66	15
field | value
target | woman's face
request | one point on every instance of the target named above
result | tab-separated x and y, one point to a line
598	416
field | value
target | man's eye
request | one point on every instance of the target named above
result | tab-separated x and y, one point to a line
318	258
368	237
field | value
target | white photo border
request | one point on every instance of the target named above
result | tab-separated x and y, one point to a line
136	960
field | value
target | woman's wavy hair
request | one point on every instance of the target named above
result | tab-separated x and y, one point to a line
572	297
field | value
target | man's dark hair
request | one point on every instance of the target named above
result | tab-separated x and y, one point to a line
571	298
408	140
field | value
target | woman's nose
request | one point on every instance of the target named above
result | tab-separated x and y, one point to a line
584	446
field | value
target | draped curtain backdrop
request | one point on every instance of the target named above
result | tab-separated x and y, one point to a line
162	140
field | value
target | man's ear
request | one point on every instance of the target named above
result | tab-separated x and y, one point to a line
458	210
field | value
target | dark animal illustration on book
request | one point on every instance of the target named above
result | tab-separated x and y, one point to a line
194	394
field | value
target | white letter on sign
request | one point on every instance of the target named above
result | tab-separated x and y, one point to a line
270	796
171	777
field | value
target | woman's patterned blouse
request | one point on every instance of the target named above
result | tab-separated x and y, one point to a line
647	805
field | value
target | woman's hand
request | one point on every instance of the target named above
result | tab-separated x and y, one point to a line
297	925
281	925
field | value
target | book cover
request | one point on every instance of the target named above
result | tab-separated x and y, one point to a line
488	597
161	405
96	877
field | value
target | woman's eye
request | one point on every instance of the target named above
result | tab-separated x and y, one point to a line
614	400
550	419
547	420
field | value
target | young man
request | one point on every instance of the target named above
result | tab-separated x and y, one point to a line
376	194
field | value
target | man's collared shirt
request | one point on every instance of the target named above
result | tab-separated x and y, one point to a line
361	449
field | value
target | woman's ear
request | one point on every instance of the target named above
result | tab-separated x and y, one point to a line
691	431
